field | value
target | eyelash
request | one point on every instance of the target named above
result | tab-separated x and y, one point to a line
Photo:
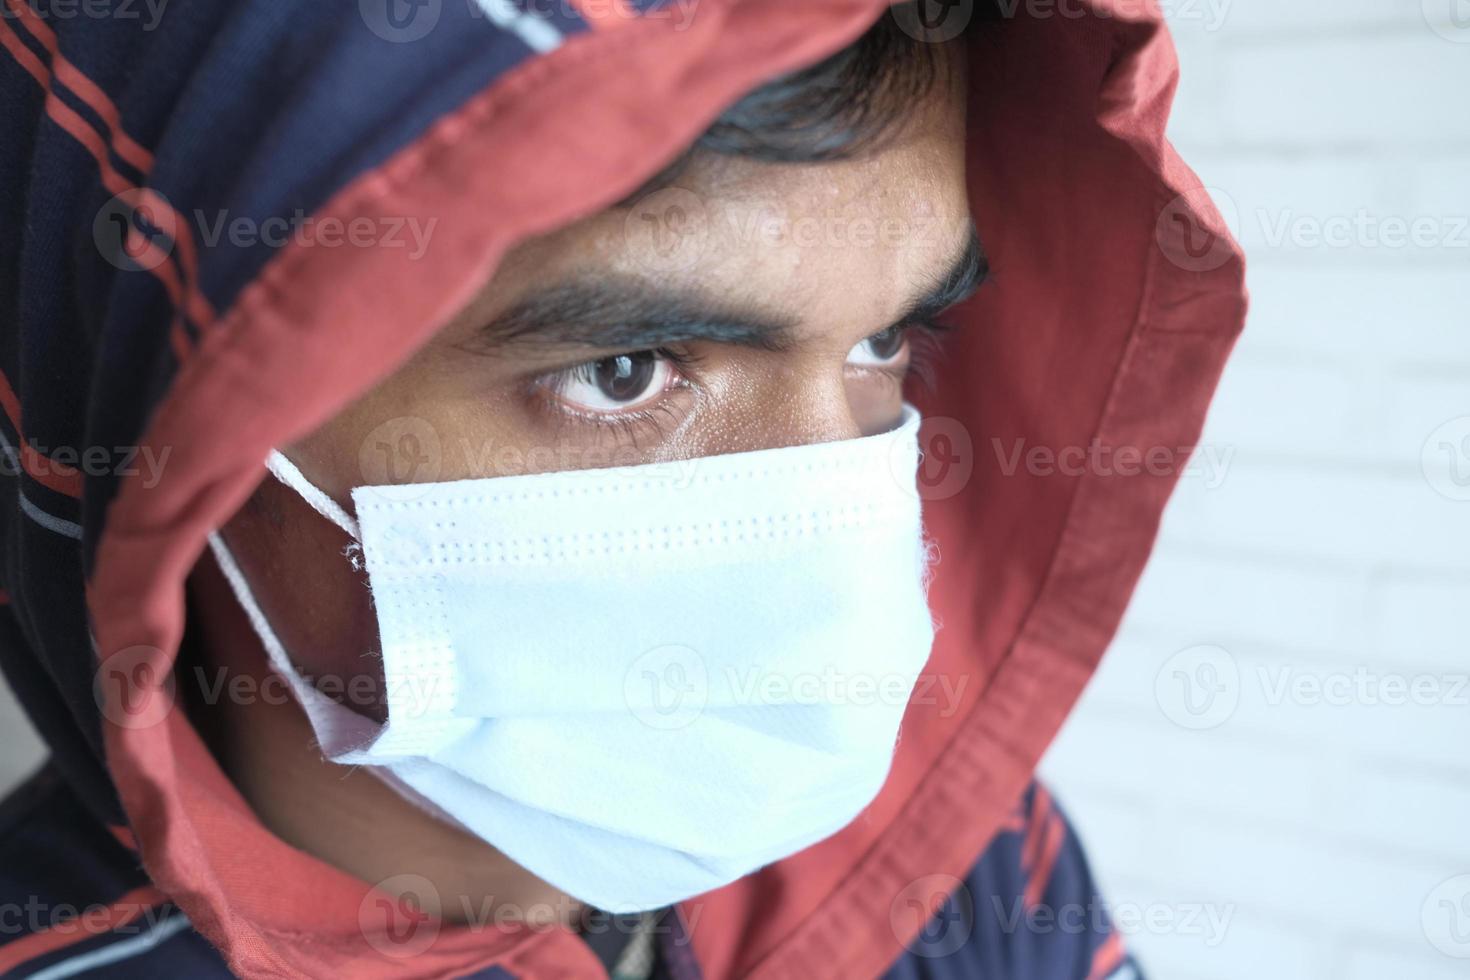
926	342
658	420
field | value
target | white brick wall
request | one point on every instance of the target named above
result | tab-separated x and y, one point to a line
20	747
1324	809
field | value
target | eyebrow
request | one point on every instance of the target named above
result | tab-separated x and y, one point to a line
627	313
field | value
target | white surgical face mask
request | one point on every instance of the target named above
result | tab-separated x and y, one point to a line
639	683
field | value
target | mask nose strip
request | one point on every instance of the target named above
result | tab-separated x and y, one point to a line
285	471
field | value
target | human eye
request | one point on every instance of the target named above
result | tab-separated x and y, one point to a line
618	388
885	350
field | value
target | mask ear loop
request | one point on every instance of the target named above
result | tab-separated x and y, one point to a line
338	729
285	471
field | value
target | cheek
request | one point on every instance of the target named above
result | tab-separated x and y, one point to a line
876	402
438	419
776	399
316	603
762	400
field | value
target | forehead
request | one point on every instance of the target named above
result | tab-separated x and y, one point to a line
831	243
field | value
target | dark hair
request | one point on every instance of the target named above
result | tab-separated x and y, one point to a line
839	108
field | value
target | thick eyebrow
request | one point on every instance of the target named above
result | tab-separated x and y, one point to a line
967	273
627	313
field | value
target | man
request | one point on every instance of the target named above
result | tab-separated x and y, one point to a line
586	622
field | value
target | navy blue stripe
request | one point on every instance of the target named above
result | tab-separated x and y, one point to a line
343	92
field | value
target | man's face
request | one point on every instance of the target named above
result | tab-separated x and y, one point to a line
750	305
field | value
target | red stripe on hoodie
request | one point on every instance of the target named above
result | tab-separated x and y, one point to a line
86	89
41	468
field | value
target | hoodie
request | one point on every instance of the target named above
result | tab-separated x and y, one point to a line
151	357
